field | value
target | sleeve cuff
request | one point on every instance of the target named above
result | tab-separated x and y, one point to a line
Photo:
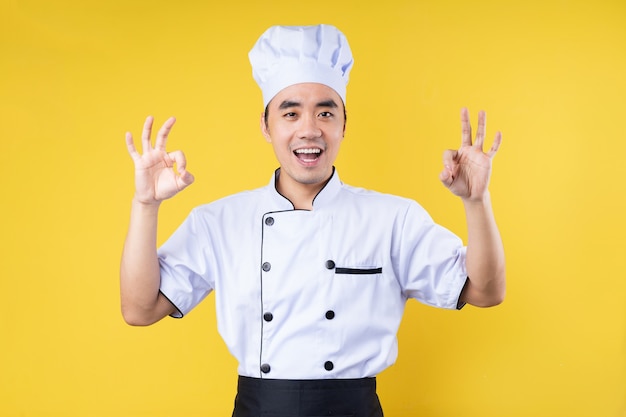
177	314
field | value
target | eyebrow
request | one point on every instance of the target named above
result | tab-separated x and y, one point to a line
326	103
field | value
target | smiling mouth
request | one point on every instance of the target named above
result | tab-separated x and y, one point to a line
308	154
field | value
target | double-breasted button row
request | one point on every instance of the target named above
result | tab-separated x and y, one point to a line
329	315
269	221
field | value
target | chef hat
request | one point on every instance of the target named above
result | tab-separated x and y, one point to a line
287	55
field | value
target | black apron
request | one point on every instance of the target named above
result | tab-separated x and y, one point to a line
258	397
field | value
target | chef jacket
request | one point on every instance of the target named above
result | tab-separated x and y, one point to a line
311	294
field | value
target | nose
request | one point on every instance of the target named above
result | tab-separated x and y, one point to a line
308	128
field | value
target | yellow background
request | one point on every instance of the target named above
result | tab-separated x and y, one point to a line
75	75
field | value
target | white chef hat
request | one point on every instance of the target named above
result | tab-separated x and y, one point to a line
287	55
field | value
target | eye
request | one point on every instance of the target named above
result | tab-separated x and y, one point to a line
326	114
290	115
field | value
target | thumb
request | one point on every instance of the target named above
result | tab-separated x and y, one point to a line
446	177
185	179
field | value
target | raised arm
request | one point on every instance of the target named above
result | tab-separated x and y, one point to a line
155	180
466	174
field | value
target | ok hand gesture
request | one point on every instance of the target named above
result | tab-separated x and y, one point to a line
467	170
155	177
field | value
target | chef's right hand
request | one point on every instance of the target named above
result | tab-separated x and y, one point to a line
159	174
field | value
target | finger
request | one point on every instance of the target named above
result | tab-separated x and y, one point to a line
185	178
130	145
163	133
466	128
449	157
496	145
178	158
479	140
146	133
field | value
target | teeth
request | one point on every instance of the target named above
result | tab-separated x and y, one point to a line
308	151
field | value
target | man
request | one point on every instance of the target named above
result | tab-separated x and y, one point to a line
310	275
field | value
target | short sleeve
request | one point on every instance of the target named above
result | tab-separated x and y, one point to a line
431	260
184	259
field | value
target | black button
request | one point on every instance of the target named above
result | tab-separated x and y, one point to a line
268	316
269	221
330	314
330	264
265	368
328	366
266	266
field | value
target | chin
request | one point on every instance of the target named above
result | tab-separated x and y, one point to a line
308	176
310	180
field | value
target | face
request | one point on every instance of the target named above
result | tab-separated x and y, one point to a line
305	126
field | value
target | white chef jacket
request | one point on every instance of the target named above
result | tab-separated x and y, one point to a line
311	294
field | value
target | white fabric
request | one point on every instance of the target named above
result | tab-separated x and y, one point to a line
287	55
223	246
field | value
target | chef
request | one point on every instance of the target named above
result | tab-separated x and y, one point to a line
310	275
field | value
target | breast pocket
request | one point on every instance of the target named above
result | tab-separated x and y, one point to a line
359	270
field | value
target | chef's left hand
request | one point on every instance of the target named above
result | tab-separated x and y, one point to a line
467	170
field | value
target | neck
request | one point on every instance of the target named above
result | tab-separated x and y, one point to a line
300	195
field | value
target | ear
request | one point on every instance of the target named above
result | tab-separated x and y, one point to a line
264	130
